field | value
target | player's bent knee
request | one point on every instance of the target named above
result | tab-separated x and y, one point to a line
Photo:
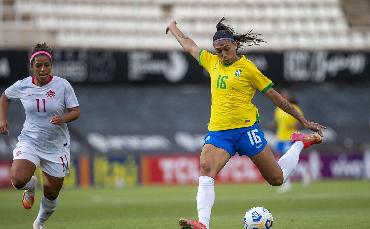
18	183
205	169
276	180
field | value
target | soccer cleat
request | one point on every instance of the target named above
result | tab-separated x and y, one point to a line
37	225
28	199
191	224
307	139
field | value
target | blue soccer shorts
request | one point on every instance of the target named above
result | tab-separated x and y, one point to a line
247	141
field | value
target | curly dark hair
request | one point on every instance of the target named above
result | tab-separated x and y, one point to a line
248	39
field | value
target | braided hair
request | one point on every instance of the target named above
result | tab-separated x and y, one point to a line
226	32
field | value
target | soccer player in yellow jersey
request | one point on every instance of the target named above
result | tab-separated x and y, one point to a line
286	125
234	123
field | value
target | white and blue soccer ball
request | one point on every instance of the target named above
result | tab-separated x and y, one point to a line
258	218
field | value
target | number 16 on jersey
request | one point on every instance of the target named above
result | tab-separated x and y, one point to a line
253	137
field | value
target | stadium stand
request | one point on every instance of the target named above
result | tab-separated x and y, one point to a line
131	24
357	13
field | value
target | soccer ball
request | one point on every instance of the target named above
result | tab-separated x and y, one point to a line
258	218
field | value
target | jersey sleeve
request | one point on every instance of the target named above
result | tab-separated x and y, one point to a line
206	59
259	80
70	96
14	91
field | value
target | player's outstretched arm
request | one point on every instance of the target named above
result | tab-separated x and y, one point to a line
186	42
284	104
4	104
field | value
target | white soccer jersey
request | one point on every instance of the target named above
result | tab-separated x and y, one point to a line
40	105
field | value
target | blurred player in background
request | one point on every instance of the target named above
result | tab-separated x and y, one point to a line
49	103
234	123
286	125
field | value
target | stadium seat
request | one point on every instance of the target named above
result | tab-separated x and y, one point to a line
89	22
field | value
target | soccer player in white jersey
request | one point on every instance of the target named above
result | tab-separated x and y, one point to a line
49	103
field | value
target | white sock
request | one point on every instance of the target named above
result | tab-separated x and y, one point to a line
290	159
285	187
205	199
47	208
31	184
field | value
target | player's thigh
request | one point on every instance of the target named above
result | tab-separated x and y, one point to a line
24	164
52	185
212	160
268	166
22	170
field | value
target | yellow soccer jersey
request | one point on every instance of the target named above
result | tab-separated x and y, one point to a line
286	124
232	88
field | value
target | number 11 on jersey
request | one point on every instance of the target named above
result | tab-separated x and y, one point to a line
38	105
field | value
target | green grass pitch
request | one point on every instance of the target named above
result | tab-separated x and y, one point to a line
339	204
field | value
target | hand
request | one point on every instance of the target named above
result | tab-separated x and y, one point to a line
4	128
314	126
172	23
57	120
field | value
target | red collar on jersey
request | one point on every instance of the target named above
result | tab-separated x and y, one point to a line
34	79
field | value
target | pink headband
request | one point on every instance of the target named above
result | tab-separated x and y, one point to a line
40	53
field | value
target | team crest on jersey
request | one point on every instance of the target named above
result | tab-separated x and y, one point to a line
50	94
238	72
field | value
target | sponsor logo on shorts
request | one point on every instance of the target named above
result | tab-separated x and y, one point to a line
18	153
259	146
65	163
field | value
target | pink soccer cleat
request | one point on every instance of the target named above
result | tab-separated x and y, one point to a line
28	199
307	139
191	224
